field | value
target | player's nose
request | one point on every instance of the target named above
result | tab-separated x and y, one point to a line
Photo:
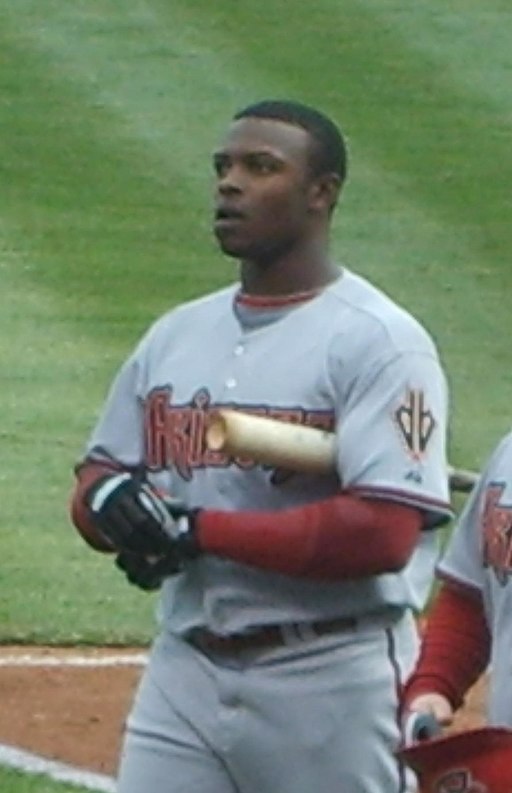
232	180
227	189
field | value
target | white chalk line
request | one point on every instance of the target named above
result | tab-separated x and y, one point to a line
137	659
29	763
20	760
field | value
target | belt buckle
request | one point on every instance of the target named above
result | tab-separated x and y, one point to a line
295	633
306	631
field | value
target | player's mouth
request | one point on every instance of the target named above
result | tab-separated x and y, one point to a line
226	217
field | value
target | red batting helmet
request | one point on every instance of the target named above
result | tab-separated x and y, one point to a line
476	761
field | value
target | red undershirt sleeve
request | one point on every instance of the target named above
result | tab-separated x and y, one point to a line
455	648
343	537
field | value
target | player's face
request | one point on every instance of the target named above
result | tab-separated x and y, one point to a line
263	190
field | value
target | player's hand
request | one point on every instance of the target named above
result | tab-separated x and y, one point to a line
134	518
432	704
148	573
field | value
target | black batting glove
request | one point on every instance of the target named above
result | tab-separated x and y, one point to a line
184	527
134	518
147	573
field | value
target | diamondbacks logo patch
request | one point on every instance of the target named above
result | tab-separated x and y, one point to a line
415	423
460	781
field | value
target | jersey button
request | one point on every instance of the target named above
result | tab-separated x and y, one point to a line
239	349
231	383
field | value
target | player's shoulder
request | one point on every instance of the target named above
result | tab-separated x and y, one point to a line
191	317
202	304
196	309
377	316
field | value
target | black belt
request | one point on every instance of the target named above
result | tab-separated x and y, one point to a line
267	636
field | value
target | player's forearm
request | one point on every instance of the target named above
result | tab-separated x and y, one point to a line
87	474
344	537
455	648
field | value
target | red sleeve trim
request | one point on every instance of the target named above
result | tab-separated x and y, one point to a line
456	646
465	588
441	511
344	537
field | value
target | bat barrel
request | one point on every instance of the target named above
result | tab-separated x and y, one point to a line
293	446
272	442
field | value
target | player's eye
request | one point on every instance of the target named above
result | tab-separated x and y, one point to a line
263	164
220	164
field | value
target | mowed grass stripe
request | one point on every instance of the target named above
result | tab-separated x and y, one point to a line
427	136
382	70
412	213
101	208
12	781
428	123
53	382
419	115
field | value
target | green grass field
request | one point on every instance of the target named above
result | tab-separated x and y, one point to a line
17	782
109	112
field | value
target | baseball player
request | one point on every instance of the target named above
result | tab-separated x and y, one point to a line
469	626
286	614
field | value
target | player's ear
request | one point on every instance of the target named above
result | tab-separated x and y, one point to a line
325	190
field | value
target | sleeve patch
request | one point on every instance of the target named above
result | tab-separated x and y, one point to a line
415	423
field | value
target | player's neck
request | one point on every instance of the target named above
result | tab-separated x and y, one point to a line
288	276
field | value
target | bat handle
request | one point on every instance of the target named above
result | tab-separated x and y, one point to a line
461	480
421	727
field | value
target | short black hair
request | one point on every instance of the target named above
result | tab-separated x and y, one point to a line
329	154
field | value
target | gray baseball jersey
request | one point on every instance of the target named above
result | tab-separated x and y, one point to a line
479	554
349	360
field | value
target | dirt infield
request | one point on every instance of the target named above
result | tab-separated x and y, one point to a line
75	713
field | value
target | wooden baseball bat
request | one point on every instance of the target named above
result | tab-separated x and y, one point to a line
292	446
271	442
